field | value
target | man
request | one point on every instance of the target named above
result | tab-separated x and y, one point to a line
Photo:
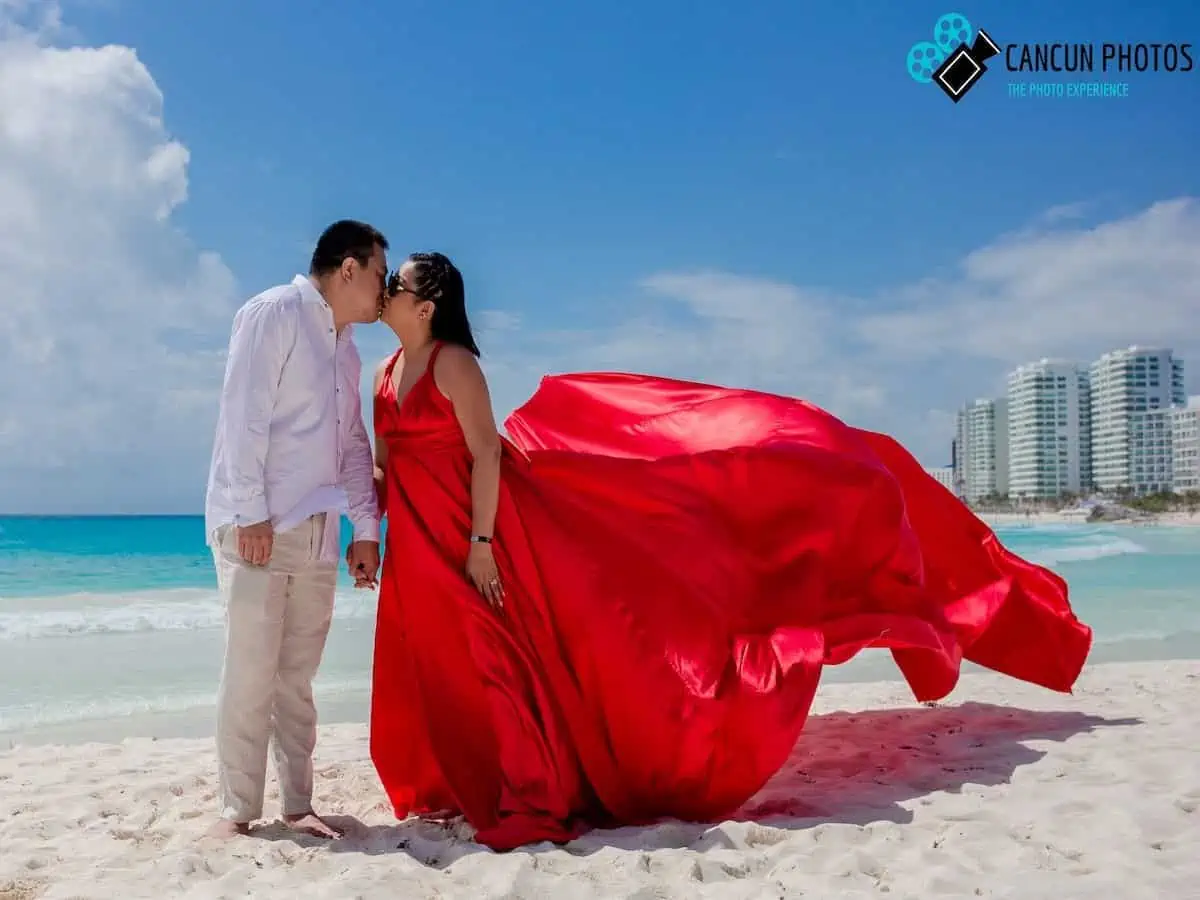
291	454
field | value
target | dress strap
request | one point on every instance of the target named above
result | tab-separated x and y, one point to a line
391	366
429	366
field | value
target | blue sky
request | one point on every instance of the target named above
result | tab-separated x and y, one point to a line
650	173
563	149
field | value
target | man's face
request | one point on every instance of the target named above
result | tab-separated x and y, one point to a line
363	286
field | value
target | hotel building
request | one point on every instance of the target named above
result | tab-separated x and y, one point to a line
981	450
1049	430
943	475
1132	392
1185	447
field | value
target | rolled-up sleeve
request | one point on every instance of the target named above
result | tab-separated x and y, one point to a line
357	474
263	334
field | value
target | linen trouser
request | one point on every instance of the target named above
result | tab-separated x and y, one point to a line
277	618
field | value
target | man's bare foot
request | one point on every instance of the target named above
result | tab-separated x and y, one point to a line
312	824
226	829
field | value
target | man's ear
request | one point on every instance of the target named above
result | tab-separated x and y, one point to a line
348	268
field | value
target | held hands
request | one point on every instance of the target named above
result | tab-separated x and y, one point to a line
254	542
362	559
481	569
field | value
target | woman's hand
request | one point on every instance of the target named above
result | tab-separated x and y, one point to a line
481	569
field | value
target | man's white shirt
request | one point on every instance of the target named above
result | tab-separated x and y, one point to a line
290	439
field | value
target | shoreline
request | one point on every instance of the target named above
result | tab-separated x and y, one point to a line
351	708
1153	520
995	792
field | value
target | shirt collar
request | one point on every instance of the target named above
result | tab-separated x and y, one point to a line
309	294
308	291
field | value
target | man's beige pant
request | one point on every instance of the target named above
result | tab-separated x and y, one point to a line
276	620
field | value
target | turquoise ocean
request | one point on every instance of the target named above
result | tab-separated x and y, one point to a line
111	626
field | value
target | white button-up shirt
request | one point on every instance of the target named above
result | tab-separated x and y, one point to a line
290	439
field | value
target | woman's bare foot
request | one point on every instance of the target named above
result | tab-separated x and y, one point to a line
226	829
312	824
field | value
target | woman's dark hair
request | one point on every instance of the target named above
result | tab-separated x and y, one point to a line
436	279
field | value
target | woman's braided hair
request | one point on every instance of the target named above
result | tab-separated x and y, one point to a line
436	279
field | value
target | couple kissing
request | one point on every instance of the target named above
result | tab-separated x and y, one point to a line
617	612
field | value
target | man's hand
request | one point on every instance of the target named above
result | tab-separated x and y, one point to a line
254	542
362	558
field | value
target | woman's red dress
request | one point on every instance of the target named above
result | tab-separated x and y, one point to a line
680	562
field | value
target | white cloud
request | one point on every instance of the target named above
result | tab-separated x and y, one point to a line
1063	291
704	326
111	322
901	362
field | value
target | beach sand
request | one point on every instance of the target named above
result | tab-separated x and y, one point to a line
1004	790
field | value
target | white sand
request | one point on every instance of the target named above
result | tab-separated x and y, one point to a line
1005	791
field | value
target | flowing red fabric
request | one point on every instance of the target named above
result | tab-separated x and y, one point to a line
680	561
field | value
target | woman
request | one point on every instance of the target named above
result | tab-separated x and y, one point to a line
623	614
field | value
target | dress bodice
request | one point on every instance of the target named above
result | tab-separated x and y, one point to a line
424	422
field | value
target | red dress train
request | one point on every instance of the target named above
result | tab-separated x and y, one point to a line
680	561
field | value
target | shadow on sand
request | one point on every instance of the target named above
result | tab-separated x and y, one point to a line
850	768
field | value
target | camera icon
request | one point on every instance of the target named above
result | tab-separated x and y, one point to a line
965	66
956	59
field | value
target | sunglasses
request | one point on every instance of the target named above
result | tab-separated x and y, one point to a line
396	286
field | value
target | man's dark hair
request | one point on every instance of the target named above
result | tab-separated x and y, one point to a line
342	240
